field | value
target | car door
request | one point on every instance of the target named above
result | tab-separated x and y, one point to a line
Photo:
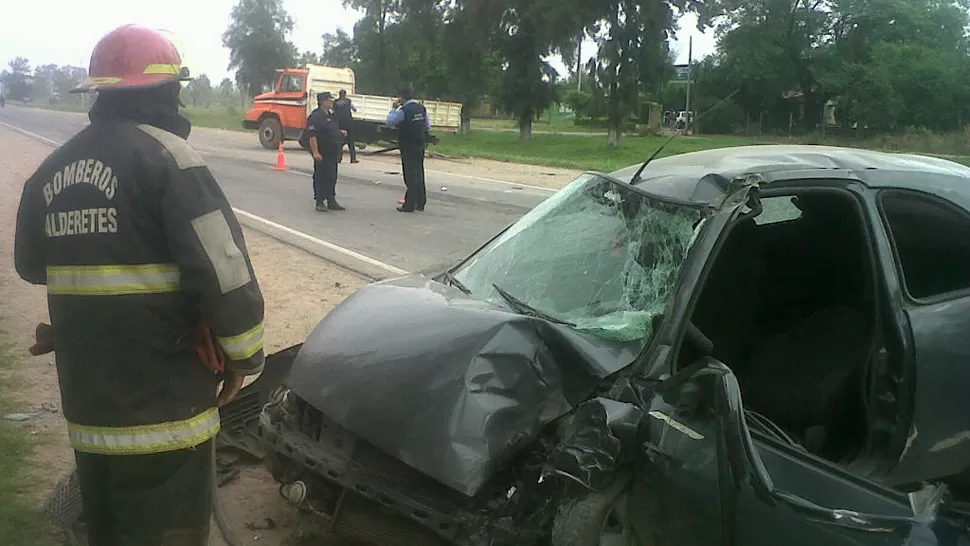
709	479
930	248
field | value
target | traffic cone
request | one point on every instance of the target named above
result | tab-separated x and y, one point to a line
281	159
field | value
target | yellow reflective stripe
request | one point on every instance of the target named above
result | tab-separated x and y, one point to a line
172	69
244	345
104	79
112	280
145	439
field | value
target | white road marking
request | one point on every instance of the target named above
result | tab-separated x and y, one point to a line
321	242
259	219
43	139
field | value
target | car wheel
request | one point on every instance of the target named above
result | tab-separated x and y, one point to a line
270	132
598	519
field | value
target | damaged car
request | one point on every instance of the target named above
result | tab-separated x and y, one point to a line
757	345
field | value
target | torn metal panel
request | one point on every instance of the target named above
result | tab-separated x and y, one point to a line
451	385
595	437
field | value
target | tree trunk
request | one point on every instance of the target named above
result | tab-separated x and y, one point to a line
381	23
525	127
614	129
466	119
613	116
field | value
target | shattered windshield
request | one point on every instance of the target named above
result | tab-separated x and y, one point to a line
598	256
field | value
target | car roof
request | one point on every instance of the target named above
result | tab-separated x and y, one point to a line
685	176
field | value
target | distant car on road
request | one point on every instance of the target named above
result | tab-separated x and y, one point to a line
758	345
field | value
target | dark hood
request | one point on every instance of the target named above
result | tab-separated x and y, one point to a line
451	385
156	106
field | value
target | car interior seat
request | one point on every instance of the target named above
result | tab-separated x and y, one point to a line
804	378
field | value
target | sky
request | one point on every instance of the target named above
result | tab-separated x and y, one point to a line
28	29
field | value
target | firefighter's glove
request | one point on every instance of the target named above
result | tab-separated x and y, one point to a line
43	340
210	352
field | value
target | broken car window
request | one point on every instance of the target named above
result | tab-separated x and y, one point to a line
776	210
598	254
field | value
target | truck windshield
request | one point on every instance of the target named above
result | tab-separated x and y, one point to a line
597	255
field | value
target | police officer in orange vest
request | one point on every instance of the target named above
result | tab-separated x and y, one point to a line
140	251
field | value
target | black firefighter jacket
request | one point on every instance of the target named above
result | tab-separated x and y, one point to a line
137	243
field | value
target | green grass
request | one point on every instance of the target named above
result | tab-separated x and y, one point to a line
556	125
216	118
21	521
574	152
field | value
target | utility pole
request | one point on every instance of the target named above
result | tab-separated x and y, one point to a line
579	63
690	65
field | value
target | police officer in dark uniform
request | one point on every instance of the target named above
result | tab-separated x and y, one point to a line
411	119
139	250
344	108
326	146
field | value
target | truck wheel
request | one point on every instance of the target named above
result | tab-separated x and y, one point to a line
270	133
598	519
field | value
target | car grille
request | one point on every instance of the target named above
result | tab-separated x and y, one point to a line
240	411
312	423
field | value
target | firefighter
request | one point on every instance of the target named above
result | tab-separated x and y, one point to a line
326	146
413	124
140	251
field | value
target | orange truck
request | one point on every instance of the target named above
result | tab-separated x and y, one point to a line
281	114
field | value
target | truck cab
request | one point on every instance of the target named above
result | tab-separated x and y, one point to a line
281	114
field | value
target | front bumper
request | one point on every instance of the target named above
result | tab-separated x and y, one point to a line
251	125
401	505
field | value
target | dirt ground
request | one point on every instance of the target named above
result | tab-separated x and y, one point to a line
299	290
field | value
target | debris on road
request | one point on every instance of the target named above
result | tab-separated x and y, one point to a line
20	416
46	407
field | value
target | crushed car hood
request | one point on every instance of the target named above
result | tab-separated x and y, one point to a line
451	385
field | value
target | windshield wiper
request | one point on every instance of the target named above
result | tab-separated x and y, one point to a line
524	308
453	281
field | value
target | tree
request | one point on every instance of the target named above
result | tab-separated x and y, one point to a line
17	80
371	41
199	91
775	46
529	31
257	43
339	49
472	63
308	57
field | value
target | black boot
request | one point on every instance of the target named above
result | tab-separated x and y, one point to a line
321	206
334	205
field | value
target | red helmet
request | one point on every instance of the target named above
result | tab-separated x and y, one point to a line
131	57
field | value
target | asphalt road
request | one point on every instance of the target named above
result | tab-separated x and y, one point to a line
462	212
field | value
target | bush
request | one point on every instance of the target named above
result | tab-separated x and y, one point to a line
578	101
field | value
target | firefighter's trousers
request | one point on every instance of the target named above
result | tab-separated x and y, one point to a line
162	499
